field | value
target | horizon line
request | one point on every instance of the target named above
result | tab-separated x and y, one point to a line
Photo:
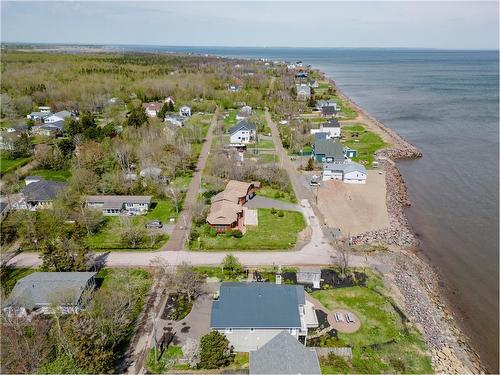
243	47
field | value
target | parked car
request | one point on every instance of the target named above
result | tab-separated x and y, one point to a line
154	224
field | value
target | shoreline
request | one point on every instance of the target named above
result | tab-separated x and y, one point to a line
405	265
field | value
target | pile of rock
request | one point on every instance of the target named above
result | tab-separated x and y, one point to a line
399	232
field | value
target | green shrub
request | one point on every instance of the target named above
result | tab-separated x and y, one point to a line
215	351
212	232
335	363
281	213
274	211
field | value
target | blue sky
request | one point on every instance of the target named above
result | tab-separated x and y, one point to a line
454	25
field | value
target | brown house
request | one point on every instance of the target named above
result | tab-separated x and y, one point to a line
226	211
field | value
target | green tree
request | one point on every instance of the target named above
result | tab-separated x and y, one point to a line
21	147
215	351
137	117
310	165
164	109
63	255
231	266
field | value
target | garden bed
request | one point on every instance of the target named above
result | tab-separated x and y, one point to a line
177	307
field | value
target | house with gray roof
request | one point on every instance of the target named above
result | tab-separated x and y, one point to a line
39	194
252	314
114	205
327	151
284	355
49	129
58	116
303	91
349	172
327	103
243	132
40	291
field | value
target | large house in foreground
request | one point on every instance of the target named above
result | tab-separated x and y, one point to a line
113	205
284	355
226	210
40	291
332	130
252	314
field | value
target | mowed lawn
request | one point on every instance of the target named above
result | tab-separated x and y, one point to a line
54	175
110	235
367	143
273	193
272	233
7	164
383	344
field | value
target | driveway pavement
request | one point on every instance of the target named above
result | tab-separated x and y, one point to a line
264	202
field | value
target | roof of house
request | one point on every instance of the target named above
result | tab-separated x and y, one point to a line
321	135
323	103
345	167
155	106
62	114
303	89
308	275
332	123
223	213
56	125
40	114
257	305
284	354
234	191
329	148
150	172
242	125
42	190
43	288
117	201
328	110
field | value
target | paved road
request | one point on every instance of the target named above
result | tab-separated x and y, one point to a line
183	225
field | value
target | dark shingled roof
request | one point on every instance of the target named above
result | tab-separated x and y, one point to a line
257	305
284	355
42	191
243	124
328	148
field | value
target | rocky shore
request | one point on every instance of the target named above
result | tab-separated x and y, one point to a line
415	280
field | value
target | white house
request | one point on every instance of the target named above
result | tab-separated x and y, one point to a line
350	173
114	205
185	111
175	120
303	91
44	109
152	109
58	116
38	116
252	314
243	132
332	130
327	103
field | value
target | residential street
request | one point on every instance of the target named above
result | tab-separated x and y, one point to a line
317	251
183	225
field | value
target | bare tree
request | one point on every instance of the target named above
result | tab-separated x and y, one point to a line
174	194
344	248
191	350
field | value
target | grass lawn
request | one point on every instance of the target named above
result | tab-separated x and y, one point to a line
384	343
263	143
7	164
230	120
11	275
268	157
49	174
273	193
367	143
109	237
166	362
272	233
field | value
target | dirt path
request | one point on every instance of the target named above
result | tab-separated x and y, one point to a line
183	225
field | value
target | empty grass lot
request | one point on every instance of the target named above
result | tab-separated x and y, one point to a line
49	174
7	164
384	343
109	236
273	193
368	143
272	233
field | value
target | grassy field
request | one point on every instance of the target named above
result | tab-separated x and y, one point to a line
109	237
49	174
8	165
272	233
263	143
367	143
273	193
385	343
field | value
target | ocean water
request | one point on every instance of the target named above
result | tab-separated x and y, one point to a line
447	104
